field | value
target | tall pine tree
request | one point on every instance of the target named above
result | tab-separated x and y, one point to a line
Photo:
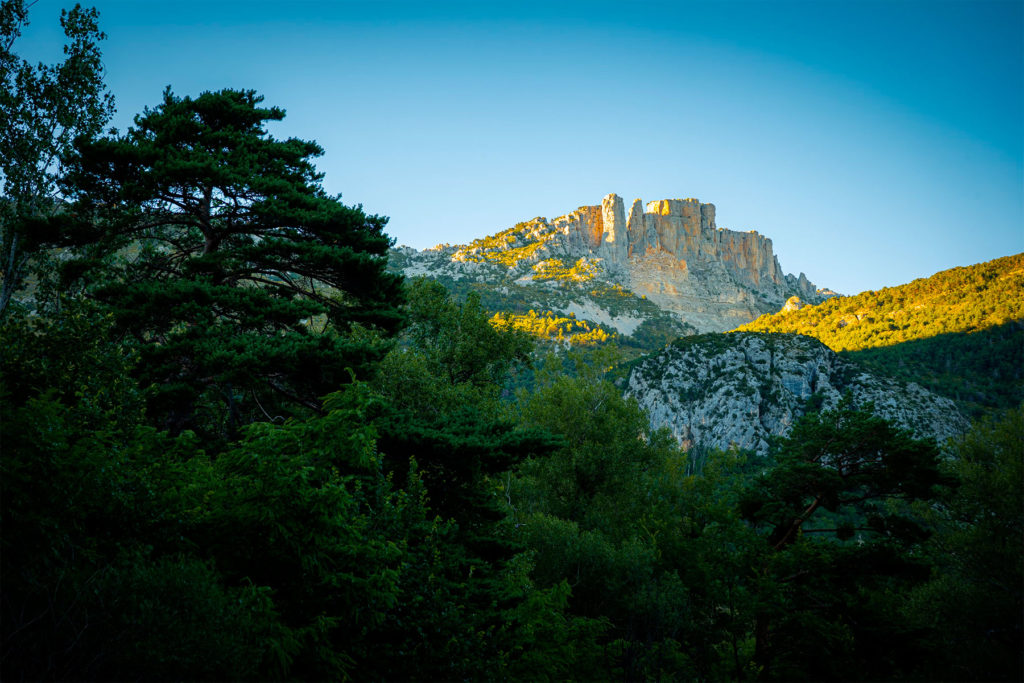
219	253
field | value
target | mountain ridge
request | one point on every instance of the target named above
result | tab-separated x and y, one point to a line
669	253
960	299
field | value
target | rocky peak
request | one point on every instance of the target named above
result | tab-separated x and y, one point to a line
676	255
615	234
636	227
668	251
681	228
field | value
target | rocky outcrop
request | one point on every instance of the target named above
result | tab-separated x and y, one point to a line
669	252
672	252
636	227
614	231
741	388
793	303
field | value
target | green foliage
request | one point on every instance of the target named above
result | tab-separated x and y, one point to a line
957	300
450	354
711	343
550	643
44	108
981	370
304	509
548	326
602	458
84	493
218	250
173	617
555	269
647	547
128	553
973	606
425	536
834	512
508	247
656	332
442	386
441	390
835	459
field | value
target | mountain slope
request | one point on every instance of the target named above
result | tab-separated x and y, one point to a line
662	271
720	390
956	300
980	370
959	333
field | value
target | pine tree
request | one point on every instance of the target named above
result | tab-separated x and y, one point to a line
836	512
219	253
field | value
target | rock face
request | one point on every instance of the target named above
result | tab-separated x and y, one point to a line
793	303
669	252
740	388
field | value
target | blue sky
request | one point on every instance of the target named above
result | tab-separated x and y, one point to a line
873	142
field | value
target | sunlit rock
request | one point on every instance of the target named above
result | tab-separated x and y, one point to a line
669	252
793	303
615	235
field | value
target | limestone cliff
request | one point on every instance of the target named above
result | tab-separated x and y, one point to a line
741	388
669	252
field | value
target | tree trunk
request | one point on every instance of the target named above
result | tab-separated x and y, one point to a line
762	647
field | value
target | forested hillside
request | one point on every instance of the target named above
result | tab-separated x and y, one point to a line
235	446
957	300
959	332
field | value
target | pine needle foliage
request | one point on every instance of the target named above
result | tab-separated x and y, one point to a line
219	253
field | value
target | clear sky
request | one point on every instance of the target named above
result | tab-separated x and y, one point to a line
873	142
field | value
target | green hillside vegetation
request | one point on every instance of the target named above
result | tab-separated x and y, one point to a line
979	370
959	332
550	327
515	301
957	300
555	269
508	247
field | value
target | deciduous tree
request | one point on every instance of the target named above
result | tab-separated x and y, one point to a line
973	607
43	109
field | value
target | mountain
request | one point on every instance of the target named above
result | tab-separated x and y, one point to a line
721	390
959	332
663	279
657	272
